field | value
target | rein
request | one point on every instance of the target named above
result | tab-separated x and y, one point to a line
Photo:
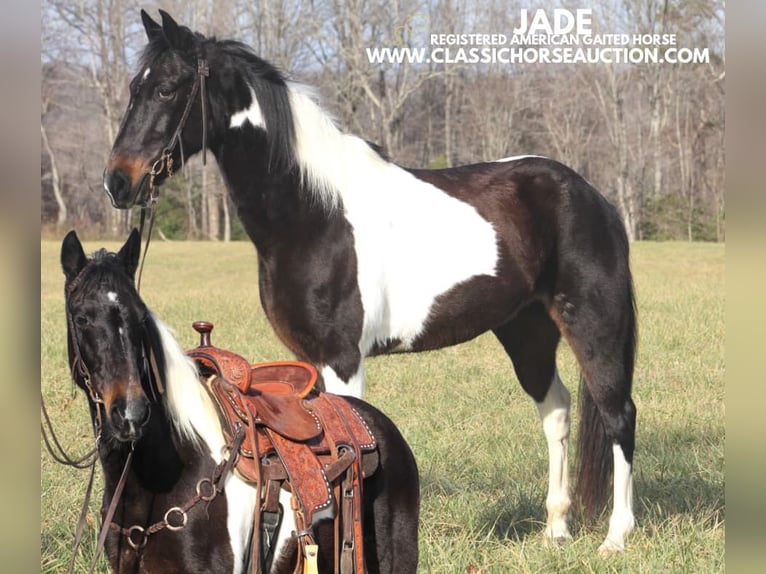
164	164
52	442
87	460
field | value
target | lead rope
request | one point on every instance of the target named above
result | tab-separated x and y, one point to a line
203	72
153	212
111	510
62	457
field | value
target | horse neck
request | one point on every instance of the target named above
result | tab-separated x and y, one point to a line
277	205
272	205
158	458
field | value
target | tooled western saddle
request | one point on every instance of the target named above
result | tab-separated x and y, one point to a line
311	443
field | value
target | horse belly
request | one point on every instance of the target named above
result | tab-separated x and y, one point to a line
470	309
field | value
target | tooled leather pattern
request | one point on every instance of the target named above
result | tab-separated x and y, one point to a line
321	421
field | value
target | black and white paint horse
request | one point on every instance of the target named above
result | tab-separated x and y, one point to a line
123	357
359	256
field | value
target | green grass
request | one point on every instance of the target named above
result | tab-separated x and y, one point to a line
475	434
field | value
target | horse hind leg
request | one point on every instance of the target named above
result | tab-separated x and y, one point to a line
607	434
602	337
530	340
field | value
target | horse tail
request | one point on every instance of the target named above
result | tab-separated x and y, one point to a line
595	458
594	455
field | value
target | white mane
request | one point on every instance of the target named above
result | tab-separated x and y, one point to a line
191	409
329	159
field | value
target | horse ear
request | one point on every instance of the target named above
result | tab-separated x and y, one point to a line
153	29
131	252
179	37
73	258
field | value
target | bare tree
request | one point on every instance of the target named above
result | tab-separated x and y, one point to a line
53	174
97	40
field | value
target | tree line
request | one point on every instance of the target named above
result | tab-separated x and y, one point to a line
650	136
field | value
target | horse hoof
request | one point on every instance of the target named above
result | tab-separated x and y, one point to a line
560	541
610	548
558	535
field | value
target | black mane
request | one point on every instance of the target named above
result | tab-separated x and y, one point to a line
270	86
102	268
235	67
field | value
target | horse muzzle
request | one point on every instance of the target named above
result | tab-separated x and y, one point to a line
126	189
128	418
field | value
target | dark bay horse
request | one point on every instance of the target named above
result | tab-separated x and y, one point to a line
147	403
358	256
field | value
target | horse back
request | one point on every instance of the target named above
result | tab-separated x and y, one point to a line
541	210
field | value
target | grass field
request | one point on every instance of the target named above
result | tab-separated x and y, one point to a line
475	434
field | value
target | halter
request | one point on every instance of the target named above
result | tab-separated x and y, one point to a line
164	164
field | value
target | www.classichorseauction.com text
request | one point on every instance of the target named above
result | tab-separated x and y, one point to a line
560	36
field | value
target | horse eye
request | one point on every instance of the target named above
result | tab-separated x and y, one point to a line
165	94
81	321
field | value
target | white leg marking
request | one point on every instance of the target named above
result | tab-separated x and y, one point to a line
334	384
287	527
240	505
554	413
622	522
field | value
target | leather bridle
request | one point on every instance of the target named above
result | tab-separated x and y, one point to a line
79	370
164	164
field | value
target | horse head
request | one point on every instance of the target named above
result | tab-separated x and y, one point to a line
161	122
111	341
183	100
